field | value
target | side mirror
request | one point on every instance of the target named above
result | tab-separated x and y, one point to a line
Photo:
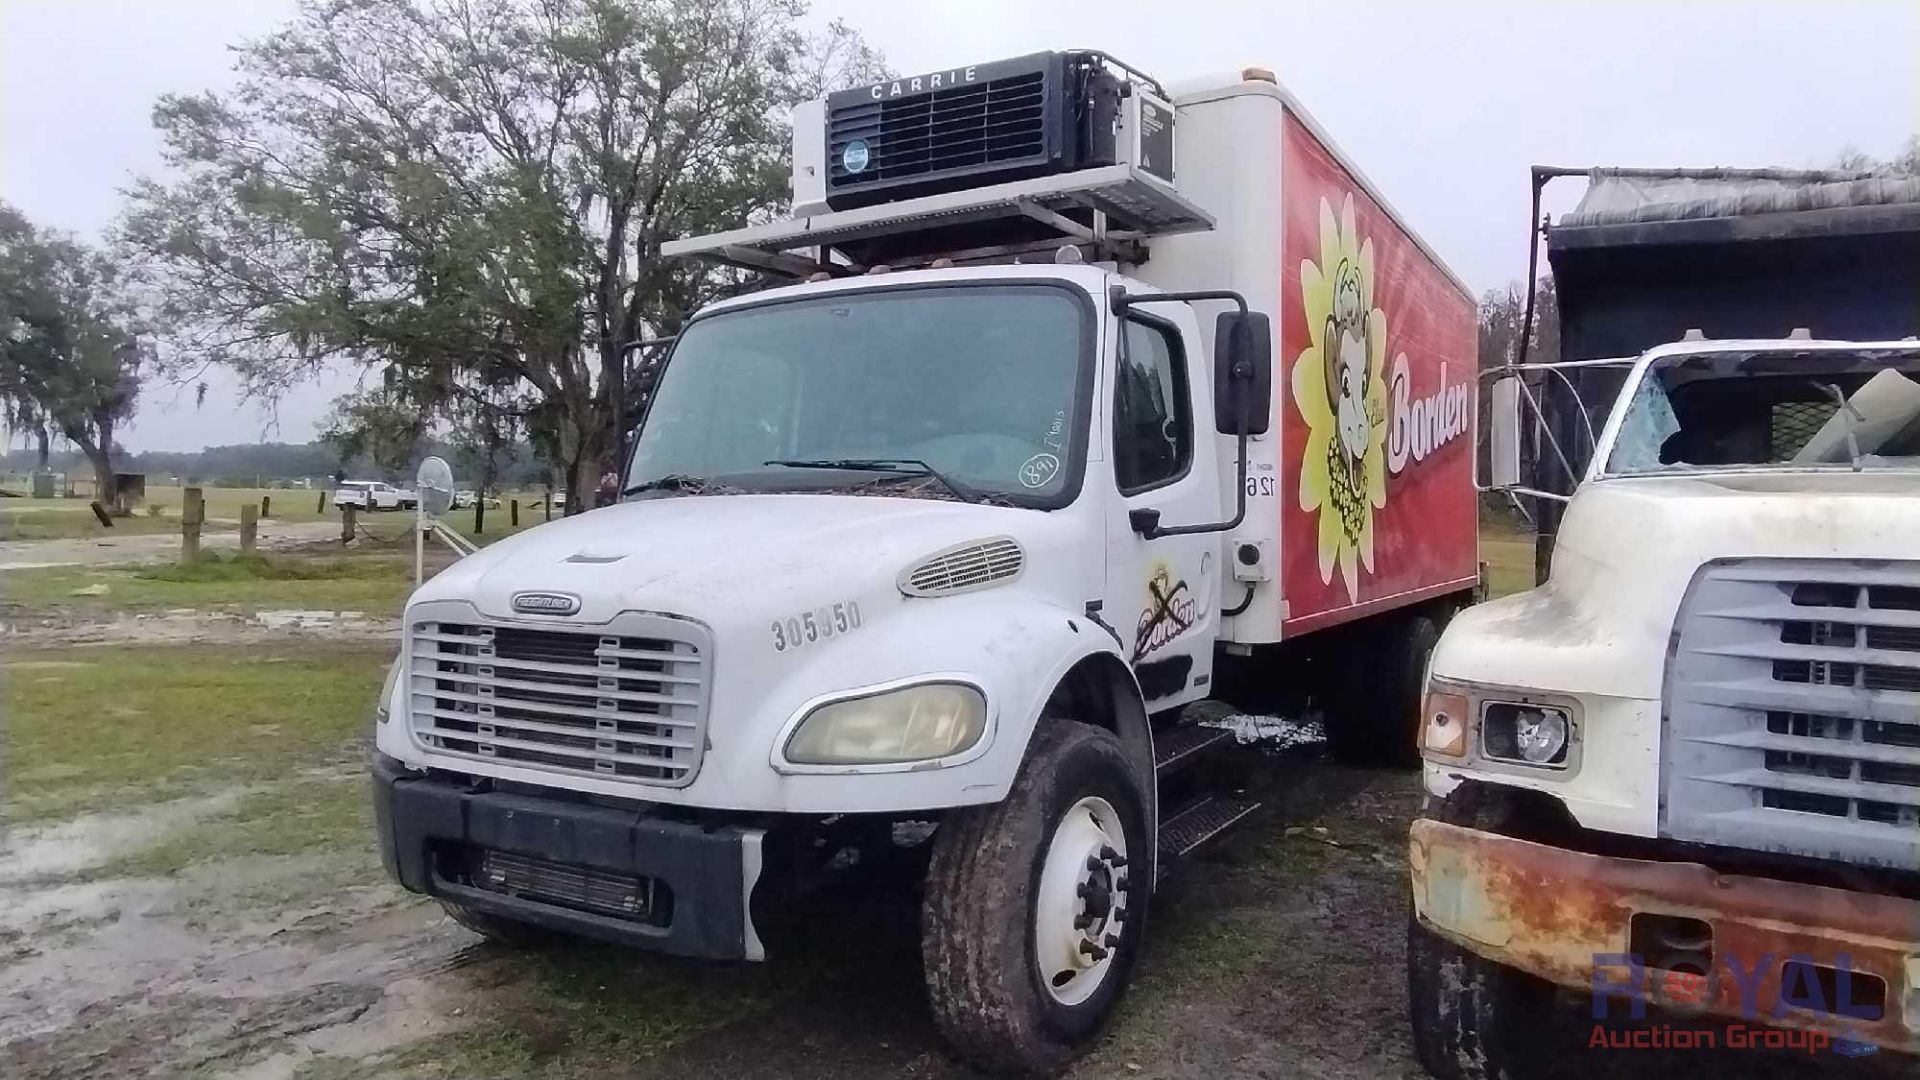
1503	437
1242	372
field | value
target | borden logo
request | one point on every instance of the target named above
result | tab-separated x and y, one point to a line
545	603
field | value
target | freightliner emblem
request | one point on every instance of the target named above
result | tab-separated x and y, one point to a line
545	603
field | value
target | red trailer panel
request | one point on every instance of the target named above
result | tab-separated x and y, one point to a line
1378	349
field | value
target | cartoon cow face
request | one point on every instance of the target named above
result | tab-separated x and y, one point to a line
1345	350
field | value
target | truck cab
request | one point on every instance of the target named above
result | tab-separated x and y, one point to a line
1680	776
947	526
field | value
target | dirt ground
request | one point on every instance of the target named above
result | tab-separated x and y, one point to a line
139	547
1280	955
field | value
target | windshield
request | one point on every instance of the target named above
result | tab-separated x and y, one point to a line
1815	409
980	384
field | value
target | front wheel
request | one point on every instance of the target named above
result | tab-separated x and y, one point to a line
1472	1018
1035	907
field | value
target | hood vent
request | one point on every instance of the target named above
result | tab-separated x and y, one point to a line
976	564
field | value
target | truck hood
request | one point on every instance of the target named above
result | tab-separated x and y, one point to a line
721	557
1628	549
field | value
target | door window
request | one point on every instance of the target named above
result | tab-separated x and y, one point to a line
1153	420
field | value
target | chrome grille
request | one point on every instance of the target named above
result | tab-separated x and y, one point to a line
965	567
1793	711
624	701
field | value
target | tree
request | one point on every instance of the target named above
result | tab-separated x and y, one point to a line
372	425
475	192
1906	162
70	344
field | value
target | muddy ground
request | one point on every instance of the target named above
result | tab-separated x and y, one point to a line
1279	955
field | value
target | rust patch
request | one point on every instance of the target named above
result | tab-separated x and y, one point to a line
1550	912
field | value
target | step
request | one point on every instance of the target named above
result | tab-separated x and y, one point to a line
1199	822
1176	747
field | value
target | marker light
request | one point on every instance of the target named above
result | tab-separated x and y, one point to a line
1443	731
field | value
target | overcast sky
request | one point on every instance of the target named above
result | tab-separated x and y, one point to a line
1443	104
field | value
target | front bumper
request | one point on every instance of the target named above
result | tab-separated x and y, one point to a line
699	879
1567	917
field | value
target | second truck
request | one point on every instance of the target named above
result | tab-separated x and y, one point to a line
1681	778
1090	396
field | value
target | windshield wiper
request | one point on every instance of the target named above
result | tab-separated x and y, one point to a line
904	466
670	482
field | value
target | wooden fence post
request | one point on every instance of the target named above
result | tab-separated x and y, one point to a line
346	523
548	503
193	513
266	506
513	512
323	501
249	528
479	513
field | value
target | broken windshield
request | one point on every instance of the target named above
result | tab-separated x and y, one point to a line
950	392
1819	408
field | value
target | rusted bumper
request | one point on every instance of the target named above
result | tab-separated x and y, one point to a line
1567	917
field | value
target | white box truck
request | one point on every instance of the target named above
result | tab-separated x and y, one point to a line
951	530
1681	778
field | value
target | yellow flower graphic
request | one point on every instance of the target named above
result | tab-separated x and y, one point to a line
1339	386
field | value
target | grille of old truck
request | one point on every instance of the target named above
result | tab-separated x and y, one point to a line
625	700
1793	710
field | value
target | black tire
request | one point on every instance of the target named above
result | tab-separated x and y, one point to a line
1472	1018
500	930
1374	715
983	883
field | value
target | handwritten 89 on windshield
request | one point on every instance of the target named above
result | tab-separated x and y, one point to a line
1689	986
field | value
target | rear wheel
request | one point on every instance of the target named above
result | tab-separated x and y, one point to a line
1373	715
1035	906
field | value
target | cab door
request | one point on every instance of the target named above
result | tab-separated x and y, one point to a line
1162	594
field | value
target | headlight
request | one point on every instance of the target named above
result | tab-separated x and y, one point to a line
915	723
1525	734
380	708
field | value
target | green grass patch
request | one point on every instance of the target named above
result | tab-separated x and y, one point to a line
306	815
215	567
375	582
99	728
1509	563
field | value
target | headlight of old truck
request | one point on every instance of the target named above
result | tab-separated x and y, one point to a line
914	723
1526	734
381	708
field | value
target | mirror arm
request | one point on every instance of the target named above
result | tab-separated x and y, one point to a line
1120	299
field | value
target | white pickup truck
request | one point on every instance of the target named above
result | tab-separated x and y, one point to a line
373	495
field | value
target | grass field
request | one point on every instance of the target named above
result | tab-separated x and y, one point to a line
54	519
376	584
1509	559
104	727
